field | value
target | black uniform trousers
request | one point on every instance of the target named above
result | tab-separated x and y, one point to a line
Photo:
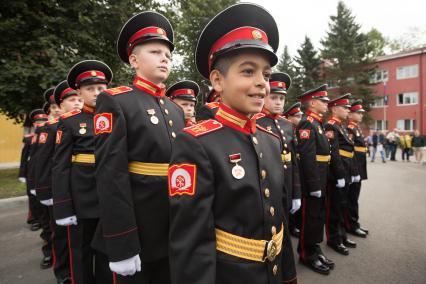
46	230
59	248
311	227
294	220
155	272
288	271
336	204
87	266
352	211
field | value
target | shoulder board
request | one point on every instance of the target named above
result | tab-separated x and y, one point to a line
212	105
118	90
332	122
70	113
258	115
204	127
52	121
351	126
310	119
267	131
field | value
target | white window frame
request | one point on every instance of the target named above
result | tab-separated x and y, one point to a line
411	94
376	123
381	104
401	122
407	72
380	76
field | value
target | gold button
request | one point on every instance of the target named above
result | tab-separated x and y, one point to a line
285	167
173	135
284	152
162	101
263	174
285	145
284	138
261	155
282	131
273	230
276	120
255	140
279	127
267	193
166	111
171	122
272	211
275	269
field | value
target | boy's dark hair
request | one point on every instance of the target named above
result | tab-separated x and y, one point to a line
223	63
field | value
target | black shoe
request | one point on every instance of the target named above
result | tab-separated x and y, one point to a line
317	266
364	229
295	232
340	248
64	281
35	226
359	233
46	262
326	261
350	244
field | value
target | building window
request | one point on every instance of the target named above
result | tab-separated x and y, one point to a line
379	102
379	76
379	125
406	124
406	72
407	99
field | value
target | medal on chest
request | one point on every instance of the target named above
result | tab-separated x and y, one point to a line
83	129
237	171
153	118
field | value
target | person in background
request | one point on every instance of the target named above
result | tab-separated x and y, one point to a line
378	142
418	143
392	139
405	144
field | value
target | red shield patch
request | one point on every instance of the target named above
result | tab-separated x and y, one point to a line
103	123
304	133
182	179
58	136
329	134
42	138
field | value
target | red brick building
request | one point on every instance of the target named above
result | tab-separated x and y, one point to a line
401	92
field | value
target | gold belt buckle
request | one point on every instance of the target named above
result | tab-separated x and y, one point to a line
271	250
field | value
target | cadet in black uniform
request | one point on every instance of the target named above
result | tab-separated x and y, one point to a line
294	115
209	109
226	180
184	94
271	119
74	183
352	214
135	128
341	173
46	147
314	153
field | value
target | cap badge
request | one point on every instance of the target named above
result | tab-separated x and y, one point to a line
256	34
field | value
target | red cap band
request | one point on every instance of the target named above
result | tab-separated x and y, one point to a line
89	74
182	92
294	110
277	84
239	34
37	116
148	31
314	96
356	108
341	102
66	92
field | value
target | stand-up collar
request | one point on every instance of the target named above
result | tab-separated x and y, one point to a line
149	87
88	109
338	120
235	120
314	115
353	123
269	114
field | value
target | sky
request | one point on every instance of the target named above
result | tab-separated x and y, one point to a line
298	18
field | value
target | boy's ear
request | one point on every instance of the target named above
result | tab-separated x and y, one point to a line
216	79
133	60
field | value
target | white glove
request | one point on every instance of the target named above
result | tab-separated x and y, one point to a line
295	205
356	178
22	179
340	183
126	267
33	192
47	202
316	193
67	221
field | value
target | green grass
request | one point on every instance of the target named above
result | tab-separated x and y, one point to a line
9	184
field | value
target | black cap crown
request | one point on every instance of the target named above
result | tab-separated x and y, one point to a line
89	72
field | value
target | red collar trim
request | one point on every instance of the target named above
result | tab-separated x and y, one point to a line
269	114
353	123
148	87
88	109
339	121
235	120
314	115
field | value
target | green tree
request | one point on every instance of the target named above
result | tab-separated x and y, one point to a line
309	65
348	56
286	65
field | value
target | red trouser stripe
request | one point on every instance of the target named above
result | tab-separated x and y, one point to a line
114	278
327	214
70	253
302	230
